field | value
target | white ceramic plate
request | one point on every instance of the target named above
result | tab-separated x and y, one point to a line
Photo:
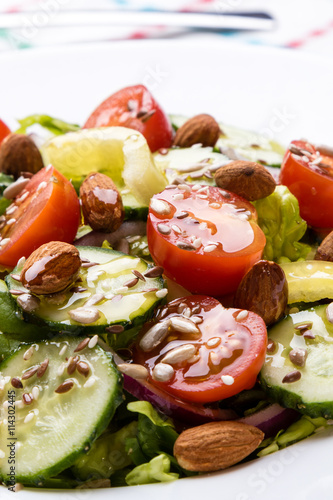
286	95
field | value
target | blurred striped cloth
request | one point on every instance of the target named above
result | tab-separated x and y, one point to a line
302	24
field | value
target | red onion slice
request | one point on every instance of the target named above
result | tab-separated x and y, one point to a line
190	413
272	419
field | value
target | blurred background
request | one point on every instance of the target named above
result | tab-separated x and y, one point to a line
305	25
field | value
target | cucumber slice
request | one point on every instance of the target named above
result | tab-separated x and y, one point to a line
312	394
185	163
120	153
12	322
309	280
51	432
118	305
247	145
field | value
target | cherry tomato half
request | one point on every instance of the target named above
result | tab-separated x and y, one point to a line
134	107
205	238
309	177
4	131
47	209
226	350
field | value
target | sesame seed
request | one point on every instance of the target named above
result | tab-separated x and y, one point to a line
183	245
176	229
93	342
29	417
48	168
197	242
21	262
185	187
23	197
61	369
63	350
202	196
90	382
203	190
242	315
11	209
196	187
35	392
4	242
214	205
2	454
163	372
196	319
209	248
178	196
10	222
122	289
41	186
160	294
227	379
203	226
163	228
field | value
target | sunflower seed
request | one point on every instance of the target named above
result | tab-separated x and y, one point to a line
15	188
163	372
160	207
82	344
133	370
94	299
154	336
29	417
183	325
179	354
329	312
43	367
93	342
28	302
85	315
35	392
28	353
65	387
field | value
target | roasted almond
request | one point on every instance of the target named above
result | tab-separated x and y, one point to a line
201	129
18	153
102	205
264	291
216	445
325	249
51	268
247	179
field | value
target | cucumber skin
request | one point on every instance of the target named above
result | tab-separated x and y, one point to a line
289	399
102	424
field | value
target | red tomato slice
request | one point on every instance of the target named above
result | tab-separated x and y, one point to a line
134	107
205	238
4	131
229	350
310	178
47	209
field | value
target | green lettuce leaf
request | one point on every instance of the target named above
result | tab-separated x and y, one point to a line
53	125
279	218
157	470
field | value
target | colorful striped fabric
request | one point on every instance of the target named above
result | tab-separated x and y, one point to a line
301	24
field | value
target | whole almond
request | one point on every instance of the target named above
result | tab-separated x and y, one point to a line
216	445
18	153
264	291
247	179
201	129
325	249
102	205
51	268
